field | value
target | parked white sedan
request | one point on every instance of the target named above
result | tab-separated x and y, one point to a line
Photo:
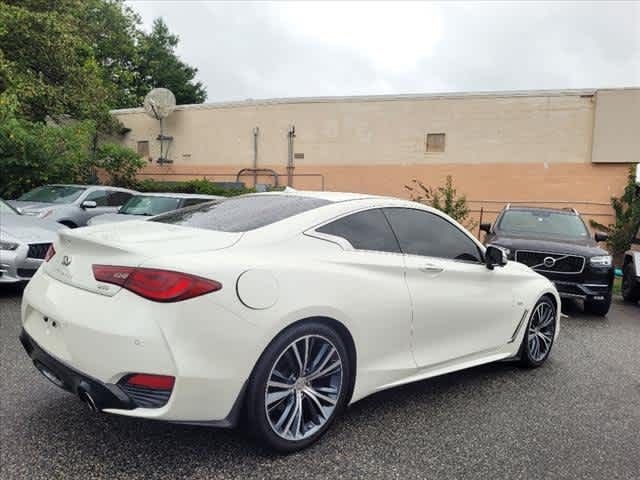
291	305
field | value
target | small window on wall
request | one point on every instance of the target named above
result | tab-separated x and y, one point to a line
435	142
143	149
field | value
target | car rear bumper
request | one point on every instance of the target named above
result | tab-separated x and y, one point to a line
97	394
91	341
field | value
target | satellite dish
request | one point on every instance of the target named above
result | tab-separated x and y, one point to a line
159	103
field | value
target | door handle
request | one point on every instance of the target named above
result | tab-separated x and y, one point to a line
429	268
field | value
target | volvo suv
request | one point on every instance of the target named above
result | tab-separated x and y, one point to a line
557	244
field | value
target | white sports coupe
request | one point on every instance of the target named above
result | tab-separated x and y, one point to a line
284	307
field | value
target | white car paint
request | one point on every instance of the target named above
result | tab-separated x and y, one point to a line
407	322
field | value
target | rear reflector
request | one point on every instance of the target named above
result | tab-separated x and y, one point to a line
155	382
154	284
50	253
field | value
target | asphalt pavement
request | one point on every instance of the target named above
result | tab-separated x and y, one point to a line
576	417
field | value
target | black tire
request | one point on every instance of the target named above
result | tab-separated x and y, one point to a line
69	224
630	284
258	421
527	353
598	307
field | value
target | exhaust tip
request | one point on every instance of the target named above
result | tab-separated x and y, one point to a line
88	400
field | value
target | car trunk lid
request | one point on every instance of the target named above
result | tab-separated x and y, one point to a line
125	244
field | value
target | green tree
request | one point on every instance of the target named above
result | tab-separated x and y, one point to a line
121	164
445	198
627	217
159	66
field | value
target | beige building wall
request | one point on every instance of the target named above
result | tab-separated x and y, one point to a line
501	147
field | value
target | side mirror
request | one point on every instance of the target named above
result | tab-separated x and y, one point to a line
495	257
485	227
88	204
601	237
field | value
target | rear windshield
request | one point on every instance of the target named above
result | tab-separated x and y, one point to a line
241	214
543	223
146	205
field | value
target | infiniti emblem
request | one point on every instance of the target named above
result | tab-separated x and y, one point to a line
549	262
66	260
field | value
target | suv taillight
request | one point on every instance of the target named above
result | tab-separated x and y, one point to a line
154	284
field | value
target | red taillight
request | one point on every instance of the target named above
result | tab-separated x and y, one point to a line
156	285
50	253
156	382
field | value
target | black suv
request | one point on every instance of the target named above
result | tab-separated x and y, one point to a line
557	244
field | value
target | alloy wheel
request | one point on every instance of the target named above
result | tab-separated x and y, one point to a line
541	330
303	387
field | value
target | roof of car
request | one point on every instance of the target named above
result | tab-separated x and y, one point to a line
88	186
179	195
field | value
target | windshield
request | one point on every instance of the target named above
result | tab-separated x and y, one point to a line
241	214
6	209
53	194
543	223
146	205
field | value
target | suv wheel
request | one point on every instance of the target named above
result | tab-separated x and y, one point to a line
630	285
598	307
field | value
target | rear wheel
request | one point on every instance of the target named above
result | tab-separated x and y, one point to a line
298	387
538	339
630	284
598	307
69	224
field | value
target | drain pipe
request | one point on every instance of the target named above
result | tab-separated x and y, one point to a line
256	132
290	166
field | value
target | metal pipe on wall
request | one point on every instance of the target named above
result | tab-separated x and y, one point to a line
256	132
290	165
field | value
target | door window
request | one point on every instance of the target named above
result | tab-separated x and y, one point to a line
428	234
368	230
101	197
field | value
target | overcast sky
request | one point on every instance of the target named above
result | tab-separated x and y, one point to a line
288	49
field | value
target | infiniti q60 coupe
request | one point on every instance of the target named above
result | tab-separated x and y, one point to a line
280	307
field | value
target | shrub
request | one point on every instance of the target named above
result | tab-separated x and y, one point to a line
445	198
627	217
201	186
120	163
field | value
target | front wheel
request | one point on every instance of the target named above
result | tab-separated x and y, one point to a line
541	330
598	307
298	387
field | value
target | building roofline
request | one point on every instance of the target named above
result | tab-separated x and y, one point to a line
385	98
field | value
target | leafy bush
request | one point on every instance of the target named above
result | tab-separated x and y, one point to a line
444	198
120	163
202	186
627	217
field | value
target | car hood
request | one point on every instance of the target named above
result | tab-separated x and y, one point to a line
115	217
32	206
585	248
29	229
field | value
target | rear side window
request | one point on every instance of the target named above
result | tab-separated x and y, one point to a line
368	230
424	233
241	214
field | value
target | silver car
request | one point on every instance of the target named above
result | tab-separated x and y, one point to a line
72	205
24	242
150	204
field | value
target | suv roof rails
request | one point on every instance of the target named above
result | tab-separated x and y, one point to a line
508	206
571	209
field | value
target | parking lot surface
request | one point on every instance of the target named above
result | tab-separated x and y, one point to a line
576	417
